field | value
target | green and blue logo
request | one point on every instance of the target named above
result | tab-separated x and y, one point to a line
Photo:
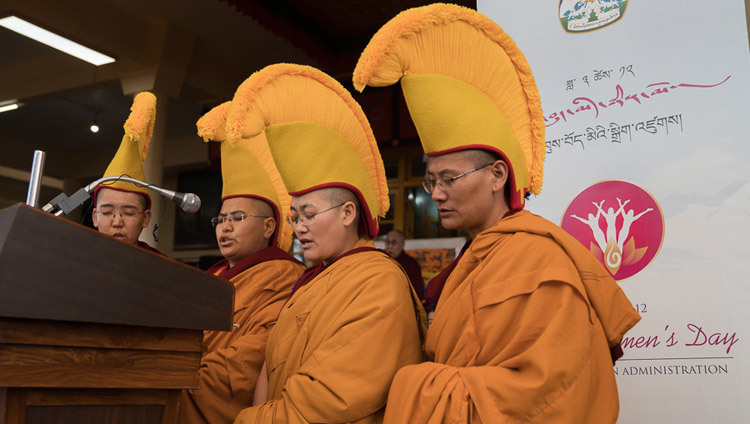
578	16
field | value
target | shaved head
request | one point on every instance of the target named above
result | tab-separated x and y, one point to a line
480	157
262	207
397	234
338	195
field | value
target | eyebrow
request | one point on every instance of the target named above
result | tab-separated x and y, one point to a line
303	207
109	205
442	172
233	212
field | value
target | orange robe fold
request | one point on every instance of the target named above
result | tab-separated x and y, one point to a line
232	360
522	333
339	342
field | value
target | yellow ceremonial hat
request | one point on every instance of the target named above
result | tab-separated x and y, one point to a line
467	86
318	135
248	170
130	157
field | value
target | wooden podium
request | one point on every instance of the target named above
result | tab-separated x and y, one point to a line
96	331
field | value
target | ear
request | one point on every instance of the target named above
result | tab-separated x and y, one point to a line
146	218
269	226
499	171
93	218
349	213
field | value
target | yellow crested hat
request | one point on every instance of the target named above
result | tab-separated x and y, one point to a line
317	133
248	170
467	86
130	157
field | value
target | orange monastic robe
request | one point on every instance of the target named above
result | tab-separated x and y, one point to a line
522	333
232	359
339	342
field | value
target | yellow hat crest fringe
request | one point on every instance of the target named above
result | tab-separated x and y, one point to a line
296	94
131	155
211	125
451	40
139	126
248	170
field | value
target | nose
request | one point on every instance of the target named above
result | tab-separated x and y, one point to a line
118	220
299	228
438	194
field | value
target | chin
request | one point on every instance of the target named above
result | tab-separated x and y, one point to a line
451	224
311	256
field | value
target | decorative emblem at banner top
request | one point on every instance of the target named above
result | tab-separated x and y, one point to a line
620	223
578	16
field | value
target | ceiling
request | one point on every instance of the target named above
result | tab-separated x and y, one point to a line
196	52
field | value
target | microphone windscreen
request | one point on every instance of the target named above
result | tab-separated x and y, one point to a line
191	203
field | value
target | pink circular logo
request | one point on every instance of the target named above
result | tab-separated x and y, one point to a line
620	223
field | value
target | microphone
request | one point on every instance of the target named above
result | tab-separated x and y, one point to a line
188	202
62	204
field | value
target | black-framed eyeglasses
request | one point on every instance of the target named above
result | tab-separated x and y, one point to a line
445	183
233	217
306	217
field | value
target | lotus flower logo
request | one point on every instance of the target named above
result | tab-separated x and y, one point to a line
620	223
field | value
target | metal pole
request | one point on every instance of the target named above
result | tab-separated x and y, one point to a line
35	180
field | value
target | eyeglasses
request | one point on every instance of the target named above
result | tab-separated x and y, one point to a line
125	212
445	183
233	217
305	218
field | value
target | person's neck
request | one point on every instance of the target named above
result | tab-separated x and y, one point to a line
347	244
497	213
234	261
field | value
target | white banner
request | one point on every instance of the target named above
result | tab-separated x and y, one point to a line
647	164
